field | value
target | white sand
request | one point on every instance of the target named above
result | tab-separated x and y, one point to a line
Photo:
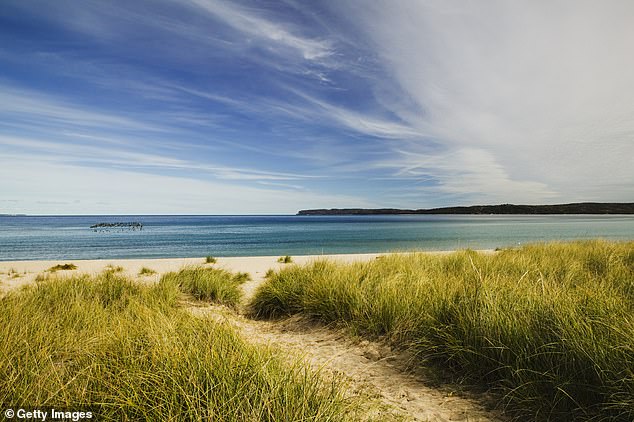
14	274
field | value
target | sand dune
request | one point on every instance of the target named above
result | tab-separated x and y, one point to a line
371	369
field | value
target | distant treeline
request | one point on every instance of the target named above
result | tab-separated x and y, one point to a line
576	208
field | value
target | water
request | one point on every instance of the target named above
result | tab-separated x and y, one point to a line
70	237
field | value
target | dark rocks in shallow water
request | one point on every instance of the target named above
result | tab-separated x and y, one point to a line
120	225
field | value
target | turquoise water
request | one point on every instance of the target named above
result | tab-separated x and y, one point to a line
70	237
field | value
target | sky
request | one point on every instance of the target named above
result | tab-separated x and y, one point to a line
269	107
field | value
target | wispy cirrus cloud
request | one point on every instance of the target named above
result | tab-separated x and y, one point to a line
30	107
89	155
261	29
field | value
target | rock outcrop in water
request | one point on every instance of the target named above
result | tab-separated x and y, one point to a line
134	225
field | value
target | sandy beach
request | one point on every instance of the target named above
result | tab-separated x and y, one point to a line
14	274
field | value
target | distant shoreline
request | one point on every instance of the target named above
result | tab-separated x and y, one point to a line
598	208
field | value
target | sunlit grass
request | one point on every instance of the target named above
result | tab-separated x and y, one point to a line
134	354
113	269
59	267
146	271
549	327
211	284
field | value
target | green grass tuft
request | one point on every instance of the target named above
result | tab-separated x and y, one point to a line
42	277
210	260
146	271
59	267
269	273
549	326
210	284
113	269
285	259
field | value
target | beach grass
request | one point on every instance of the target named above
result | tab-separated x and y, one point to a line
210	259
113	268
286	259
60	267
146	271
549	328
209	284
129	352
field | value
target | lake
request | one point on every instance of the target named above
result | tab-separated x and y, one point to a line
70	237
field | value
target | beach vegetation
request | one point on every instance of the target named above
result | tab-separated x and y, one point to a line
42	277
128	351
62	267
210	260
13	273
113	269
146	271
548	327
285	259
208	284
241	277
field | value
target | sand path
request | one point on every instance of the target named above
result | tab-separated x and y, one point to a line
370	369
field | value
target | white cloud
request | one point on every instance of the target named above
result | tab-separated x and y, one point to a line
38	187
248	22
544	90
63	153
358	122
468	173
35	109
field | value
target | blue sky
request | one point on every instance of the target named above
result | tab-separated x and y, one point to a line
213	107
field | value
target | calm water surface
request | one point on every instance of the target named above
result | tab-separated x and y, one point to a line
70	237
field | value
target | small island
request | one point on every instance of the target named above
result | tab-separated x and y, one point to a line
574	208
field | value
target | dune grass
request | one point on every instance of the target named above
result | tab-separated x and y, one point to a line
209	284
129	351
113	269
549	327
60	267
144	271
